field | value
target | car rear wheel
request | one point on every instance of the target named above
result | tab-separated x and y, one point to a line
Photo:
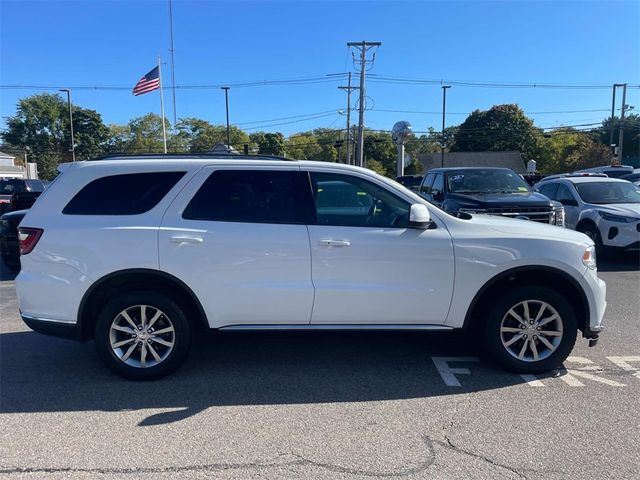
142	335
530	330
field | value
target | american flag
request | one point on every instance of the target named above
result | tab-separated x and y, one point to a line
148	83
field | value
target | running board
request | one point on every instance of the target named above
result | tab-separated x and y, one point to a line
336	327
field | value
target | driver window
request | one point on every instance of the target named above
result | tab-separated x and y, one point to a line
348	201
564	193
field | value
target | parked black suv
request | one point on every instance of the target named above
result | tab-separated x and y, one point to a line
489	190
18	193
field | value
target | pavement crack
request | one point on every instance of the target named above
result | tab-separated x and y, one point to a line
292	459
450	445
425	465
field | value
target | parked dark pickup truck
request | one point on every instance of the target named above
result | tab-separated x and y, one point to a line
19	194
488	190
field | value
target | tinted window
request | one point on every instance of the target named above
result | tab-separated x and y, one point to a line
438	184
564	194
549	190
128	194
426	185
9	187
253	196
343	200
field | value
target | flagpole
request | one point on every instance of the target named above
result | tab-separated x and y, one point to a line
164	129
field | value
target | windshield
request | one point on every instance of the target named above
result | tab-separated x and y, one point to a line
486	181
602	193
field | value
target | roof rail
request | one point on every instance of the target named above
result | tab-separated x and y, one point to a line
180	156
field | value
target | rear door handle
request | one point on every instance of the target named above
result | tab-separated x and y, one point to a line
335	243
182	239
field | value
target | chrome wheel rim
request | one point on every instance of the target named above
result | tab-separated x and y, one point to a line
142	336
531	330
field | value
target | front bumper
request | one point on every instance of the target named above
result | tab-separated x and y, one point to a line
595	290
619	234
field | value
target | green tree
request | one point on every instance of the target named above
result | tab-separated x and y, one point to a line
268	143
41	126
378	146
501	128
631	140
567	149
198	135
303	146
145	134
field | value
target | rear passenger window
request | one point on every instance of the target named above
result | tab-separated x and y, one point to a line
549	190
128	194
253	196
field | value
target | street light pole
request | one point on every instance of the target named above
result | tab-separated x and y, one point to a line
226	101
444	108
73	146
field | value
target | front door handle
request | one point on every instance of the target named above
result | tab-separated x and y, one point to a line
335	243
182	239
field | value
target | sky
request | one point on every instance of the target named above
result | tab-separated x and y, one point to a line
72	44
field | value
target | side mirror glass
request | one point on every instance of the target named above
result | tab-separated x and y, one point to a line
419	216
569	202
438	196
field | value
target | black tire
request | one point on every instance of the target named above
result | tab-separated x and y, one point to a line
495	339
173	315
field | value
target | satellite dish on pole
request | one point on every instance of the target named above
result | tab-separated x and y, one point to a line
400	134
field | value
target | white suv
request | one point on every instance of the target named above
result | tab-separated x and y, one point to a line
607	210
139	253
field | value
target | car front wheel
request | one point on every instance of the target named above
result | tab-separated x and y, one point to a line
530	330
142	335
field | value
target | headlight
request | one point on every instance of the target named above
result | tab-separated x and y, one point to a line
589	257
617	218
558	216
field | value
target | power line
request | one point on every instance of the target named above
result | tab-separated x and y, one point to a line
476	84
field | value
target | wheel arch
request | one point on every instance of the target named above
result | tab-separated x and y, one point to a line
530	275
585	222
137	279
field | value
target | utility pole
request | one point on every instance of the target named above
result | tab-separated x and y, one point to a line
73	146
226	101
173	65
363	47
621	132
444	108
348	89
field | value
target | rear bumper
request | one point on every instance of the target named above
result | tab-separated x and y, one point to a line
53	328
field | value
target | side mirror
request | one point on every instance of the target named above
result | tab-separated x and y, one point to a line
438	196
569	202
419	216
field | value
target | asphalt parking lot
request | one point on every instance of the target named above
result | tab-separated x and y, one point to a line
327	406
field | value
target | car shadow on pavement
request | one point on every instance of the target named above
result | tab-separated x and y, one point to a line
620	262
45	374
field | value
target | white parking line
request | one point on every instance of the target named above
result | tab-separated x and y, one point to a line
447	373
624	364
533	381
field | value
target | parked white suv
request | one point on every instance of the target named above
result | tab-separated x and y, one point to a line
605	209
139	253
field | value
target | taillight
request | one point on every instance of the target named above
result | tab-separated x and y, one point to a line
28	238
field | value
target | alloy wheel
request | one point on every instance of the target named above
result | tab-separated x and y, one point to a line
531	330
142	336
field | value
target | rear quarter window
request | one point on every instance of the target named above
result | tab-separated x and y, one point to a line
127	194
